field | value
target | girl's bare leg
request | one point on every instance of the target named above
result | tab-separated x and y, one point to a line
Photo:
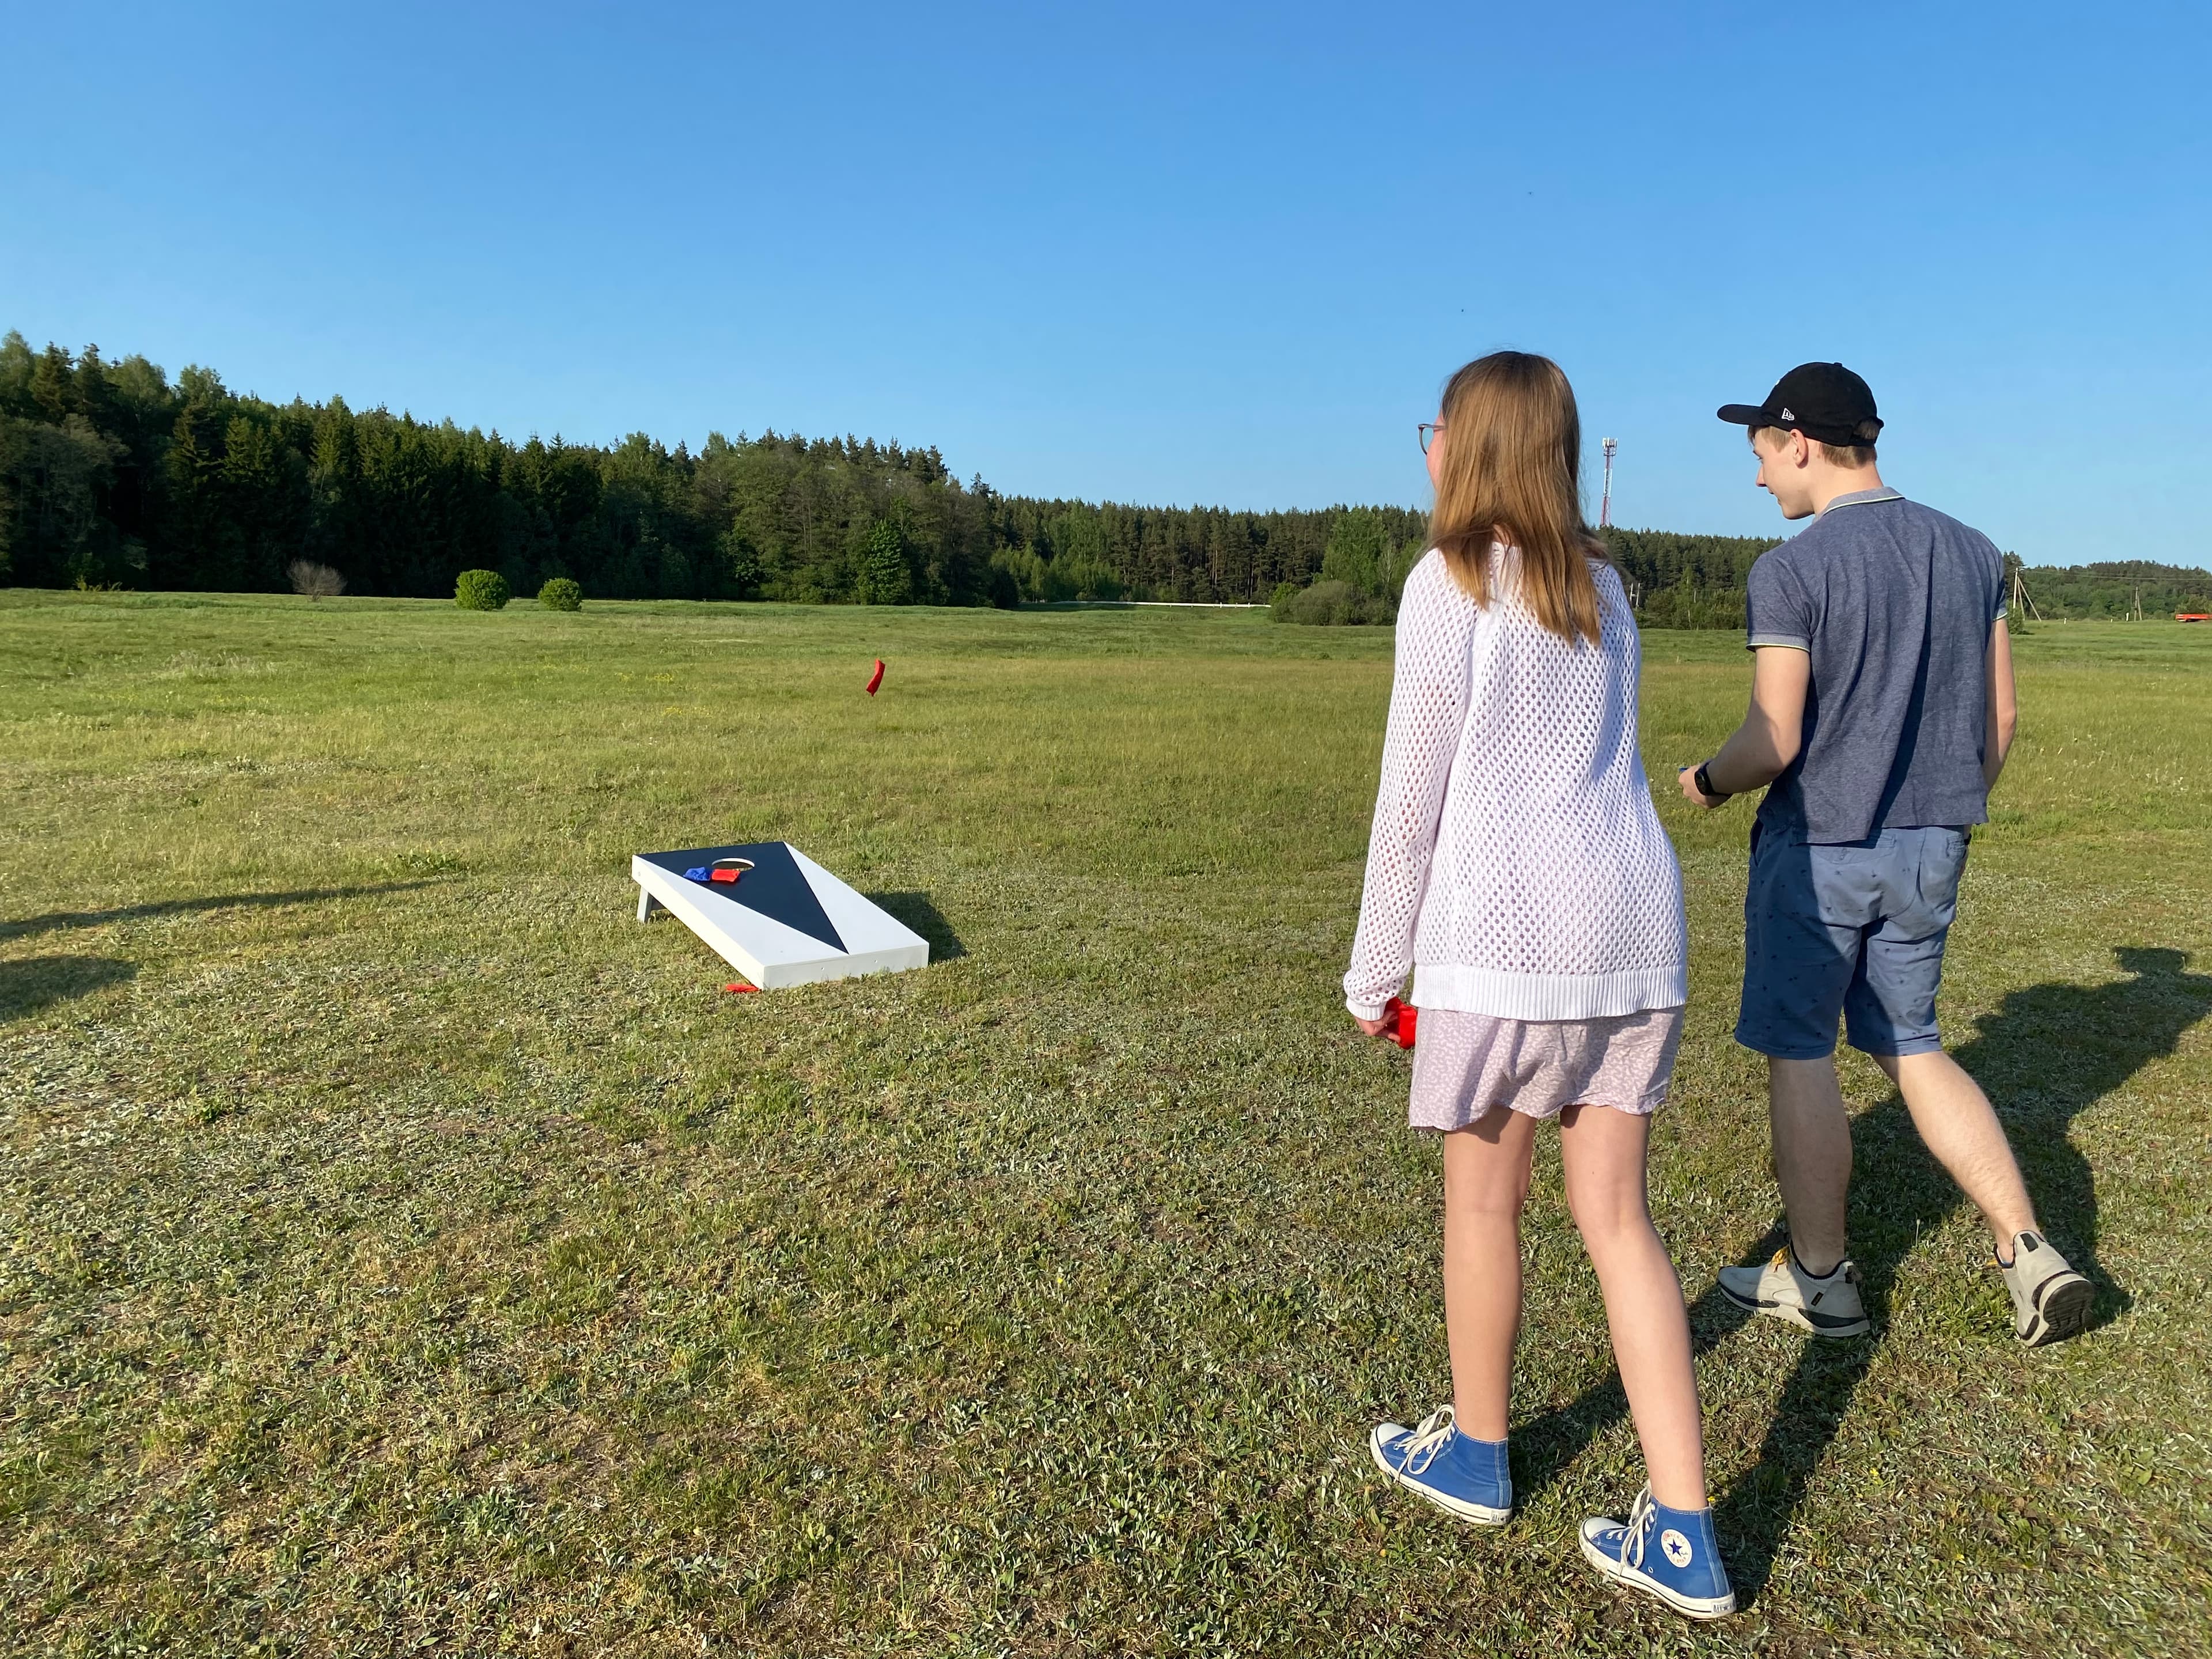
1603	1150
1486	1183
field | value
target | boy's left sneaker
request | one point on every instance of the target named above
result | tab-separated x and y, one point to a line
2050	1301
1670	1554
1461	1475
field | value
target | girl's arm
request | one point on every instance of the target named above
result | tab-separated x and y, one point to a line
1428	707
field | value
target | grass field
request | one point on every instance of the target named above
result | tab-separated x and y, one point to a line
407	1251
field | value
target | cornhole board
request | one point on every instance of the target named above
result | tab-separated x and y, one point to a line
786	921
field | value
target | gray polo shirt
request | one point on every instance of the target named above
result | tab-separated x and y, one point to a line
1894	602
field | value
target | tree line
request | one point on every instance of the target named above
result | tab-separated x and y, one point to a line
2124	589
112	474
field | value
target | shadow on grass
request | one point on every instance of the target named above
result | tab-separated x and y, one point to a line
55	920
915	910
36	982
2049	1052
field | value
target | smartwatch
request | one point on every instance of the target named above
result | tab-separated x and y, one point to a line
1704	780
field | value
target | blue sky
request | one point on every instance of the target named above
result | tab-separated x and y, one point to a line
1167	253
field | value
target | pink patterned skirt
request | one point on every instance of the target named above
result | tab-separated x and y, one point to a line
1465	1064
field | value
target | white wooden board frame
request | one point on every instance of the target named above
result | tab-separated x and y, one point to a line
786	921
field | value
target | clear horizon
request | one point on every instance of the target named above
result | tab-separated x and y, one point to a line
1222	256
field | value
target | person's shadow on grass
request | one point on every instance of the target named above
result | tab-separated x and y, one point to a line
2049	1052
30	984
29	926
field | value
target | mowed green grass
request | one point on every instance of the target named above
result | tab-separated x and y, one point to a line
405	1250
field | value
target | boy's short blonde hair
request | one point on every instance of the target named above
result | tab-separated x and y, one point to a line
1850	455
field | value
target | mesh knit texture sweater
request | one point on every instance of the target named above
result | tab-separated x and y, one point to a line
1517	864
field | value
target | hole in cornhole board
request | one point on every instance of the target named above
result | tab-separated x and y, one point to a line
786	921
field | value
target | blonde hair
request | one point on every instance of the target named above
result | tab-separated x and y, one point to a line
1512	473
1853	456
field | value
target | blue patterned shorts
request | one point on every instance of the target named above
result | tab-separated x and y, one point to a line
1855	928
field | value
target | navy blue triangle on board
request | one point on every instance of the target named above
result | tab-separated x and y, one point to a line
775	887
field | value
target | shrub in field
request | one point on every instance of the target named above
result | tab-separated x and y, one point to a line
1687	604
481	590
1070	576
560	594
1363	554
317	581
1330	604
1364	568
1080	577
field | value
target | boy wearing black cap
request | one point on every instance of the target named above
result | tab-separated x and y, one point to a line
1882	710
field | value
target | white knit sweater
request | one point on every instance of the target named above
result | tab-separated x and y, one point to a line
1516	863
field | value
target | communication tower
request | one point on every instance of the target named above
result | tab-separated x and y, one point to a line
1605	502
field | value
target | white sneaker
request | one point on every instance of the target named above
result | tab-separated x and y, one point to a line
1827	1306
2050	1301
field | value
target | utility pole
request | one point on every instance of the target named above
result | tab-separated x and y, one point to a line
1605	503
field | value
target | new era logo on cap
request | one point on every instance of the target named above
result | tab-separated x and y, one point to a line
1825	401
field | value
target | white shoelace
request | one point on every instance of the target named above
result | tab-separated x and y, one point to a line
1428	1441
1641	1520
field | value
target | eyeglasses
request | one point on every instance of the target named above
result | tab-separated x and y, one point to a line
1428	430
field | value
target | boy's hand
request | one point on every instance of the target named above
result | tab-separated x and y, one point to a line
1694	795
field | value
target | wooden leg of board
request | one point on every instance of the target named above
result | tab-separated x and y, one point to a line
646	904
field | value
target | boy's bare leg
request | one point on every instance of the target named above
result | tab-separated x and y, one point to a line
1812	1157
1960	1127
1604	1151
1485	1184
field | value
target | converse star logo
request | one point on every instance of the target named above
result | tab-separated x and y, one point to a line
1676	1547
1788	414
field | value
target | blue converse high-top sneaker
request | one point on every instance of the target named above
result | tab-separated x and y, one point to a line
1667	1553
1461	1475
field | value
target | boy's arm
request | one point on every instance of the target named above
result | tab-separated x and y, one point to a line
2004	710
1773	732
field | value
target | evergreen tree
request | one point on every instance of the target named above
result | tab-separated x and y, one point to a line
264	498
195	550
886	575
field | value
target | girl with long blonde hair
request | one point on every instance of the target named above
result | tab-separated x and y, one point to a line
1517	868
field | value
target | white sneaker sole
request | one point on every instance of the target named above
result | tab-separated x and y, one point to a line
1797	1316
1482	1515
1628	1577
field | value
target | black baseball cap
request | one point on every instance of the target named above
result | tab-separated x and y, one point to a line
1825	401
